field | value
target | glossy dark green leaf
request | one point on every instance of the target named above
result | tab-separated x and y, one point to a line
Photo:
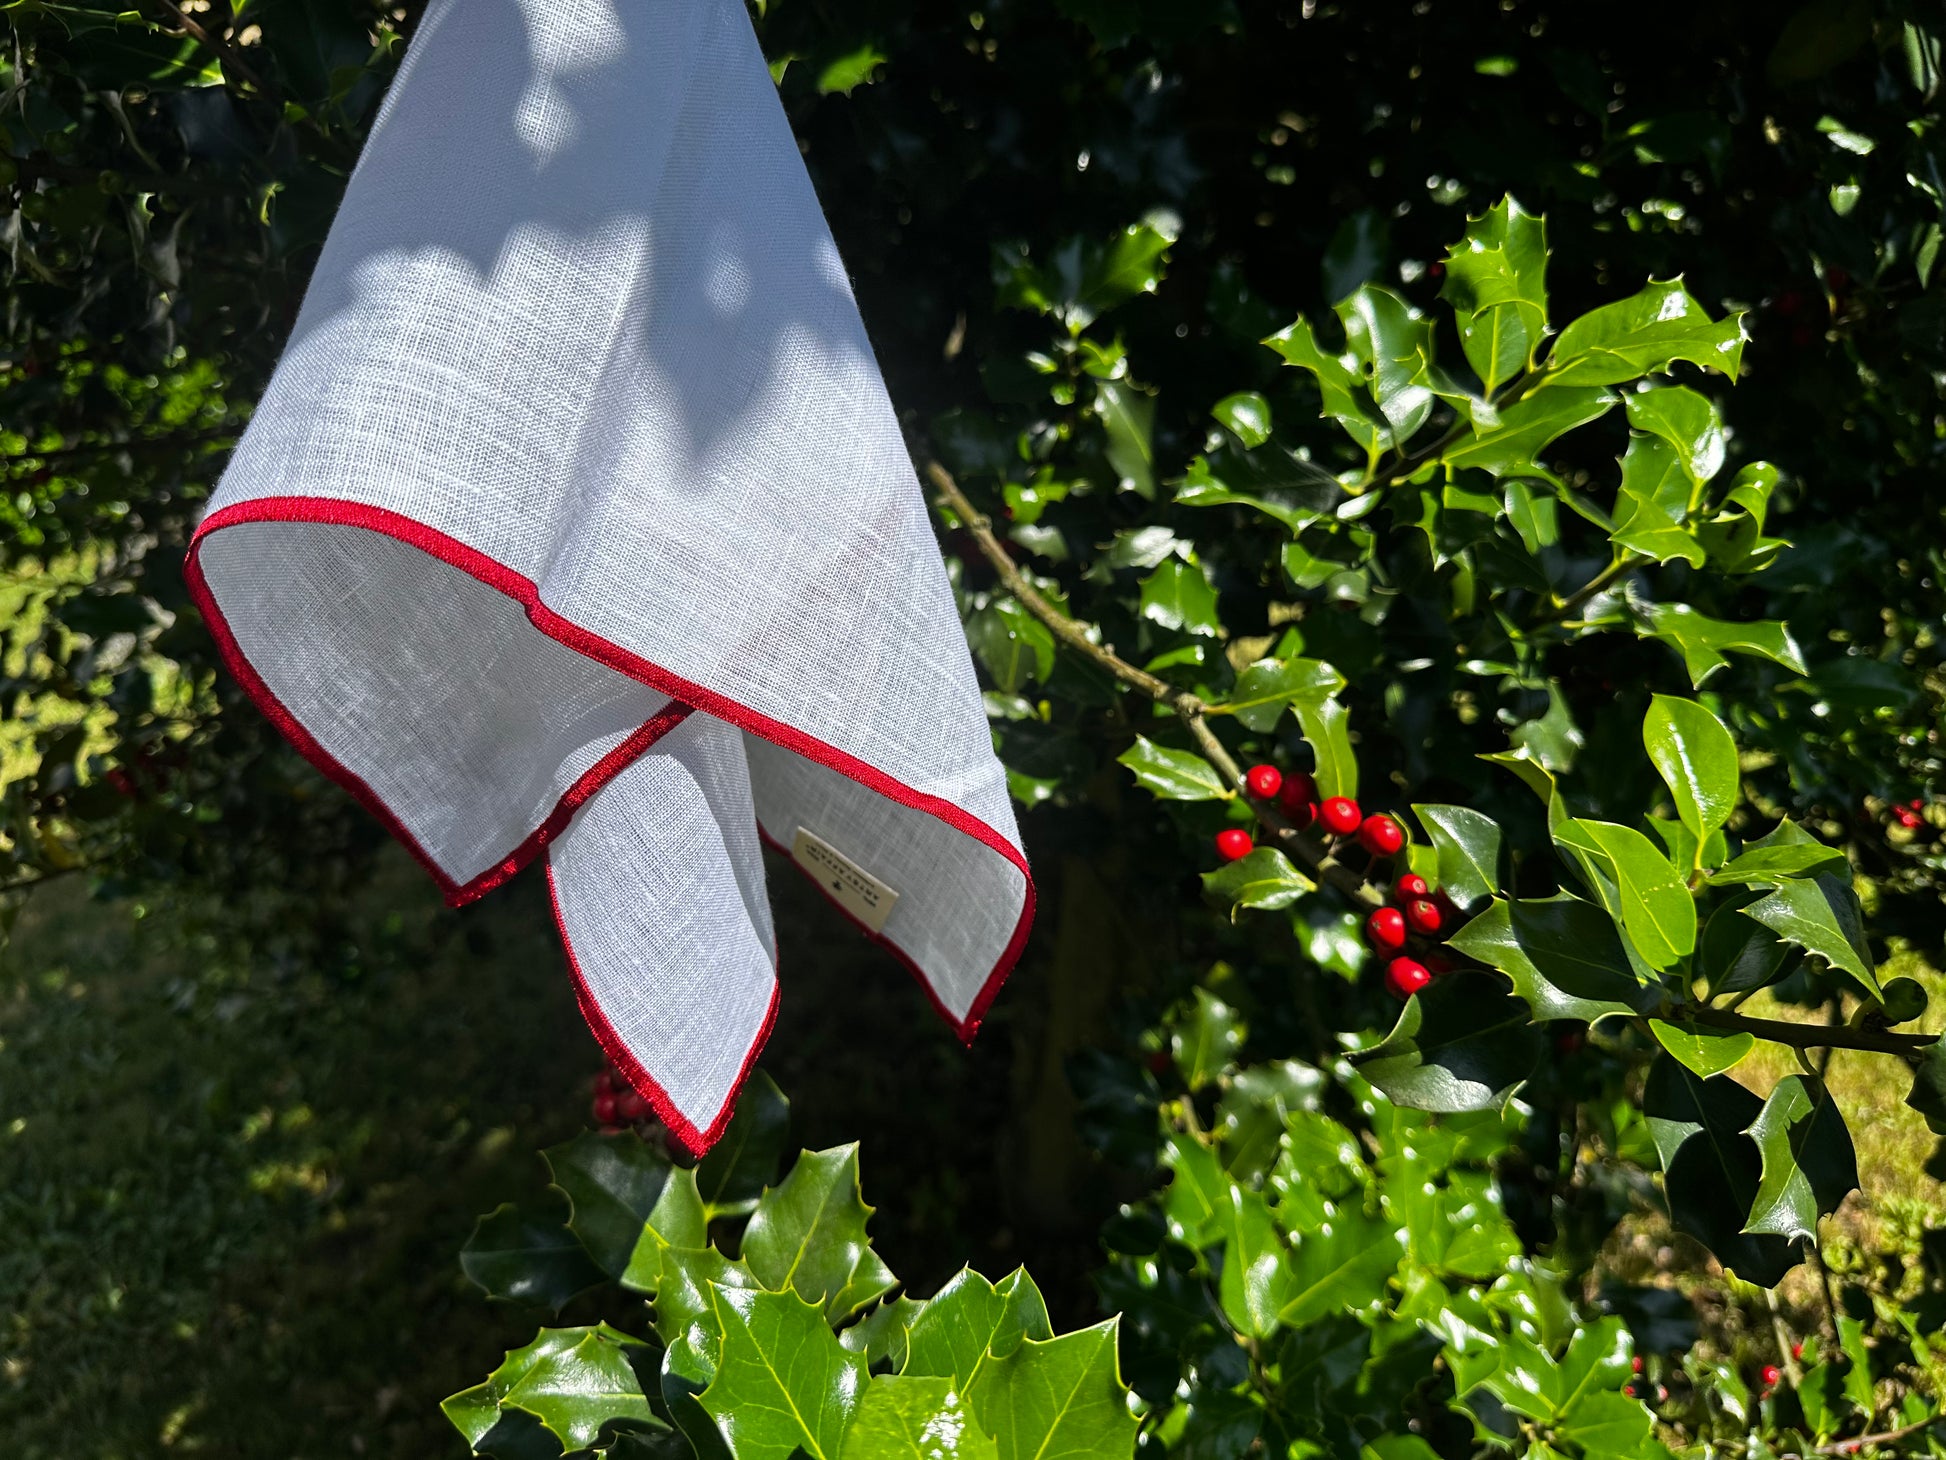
1643	334
1127	416
1687	422
679	1219
1464	1043
1785	852
970	1324
1657	909
744	1161
1173	775
1345	399
527	1256
1341	1265
611	1183
1206	1041
1198	1195
1468	845
1703	641
808	1235
1704	1051
580	1392
1496	281
1711	1167
1653	505
1178	595
1265	878
1063	1396
1256	1279
1082	280
1247	416
1809	1166
915	1419
1258	1103
1821	915
1525	430
1016	648
686	1373
1697	760
783	1381
1267	686
474	1412
880	1336
1564	956
1395	341
683	1301
1327	730
1733	535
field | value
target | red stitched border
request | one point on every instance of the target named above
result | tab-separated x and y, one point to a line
683	1130
685	695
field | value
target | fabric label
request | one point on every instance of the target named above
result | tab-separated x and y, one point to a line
850	885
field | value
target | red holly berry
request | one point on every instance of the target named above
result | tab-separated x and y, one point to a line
1771	1375
1788	303
1159	1062
1423	917
1570	1042
1448	909
1915	804
123	783
1838	279
605	1109
1908	819
1340	815
1797	1350
1380	835
1299	792
605	1083
1410	886
1233	842
631	1106
1385	929
1635	1364
1438	963
1629	1390
1404	977
1264	780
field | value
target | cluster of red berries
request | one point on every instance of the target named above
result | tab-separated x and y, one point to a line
616	1103
1908	815
1419	911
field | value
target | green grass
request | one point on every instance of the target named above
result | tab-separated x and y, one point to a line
233	1183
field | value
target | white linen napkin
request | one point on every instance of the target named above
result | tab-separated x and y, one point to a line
575	520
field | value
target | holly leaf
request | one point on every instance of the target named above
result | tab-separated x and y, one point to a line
970	1324
1525	429
1462	1043
881	1335
1736	955
915	1419
1206	1042
1340	1265
1564	956
1178	595
783	1381
1468	846
474	1412
1127	416
680	1219
1734	534
1496	281
744	1161
1326	727
1645	333
1198	1192
1015	647
683	1301
1928	1092
1656	908
1246	415
1697	760
1809	1166
1266	687
612	1183
808	1235
525	1256
580	1392
1704	641
1173	775
1255	1282
1395	341
1263	879
1711	1166
1344	398
1061	1397
1652	506
1706	1051
1821	915
1786	852
1687	422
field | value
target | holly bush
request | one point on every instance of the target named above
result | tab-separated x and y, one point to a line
1518	419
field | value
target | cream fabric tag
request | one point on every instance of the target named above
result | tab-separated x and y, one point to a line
850	885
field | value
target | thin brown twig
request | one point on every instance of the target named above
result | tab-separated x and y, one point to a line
1192	710
1810	1036
1887	1437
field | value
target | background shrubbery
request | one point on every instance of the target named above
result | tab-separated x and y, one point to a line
255	1082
